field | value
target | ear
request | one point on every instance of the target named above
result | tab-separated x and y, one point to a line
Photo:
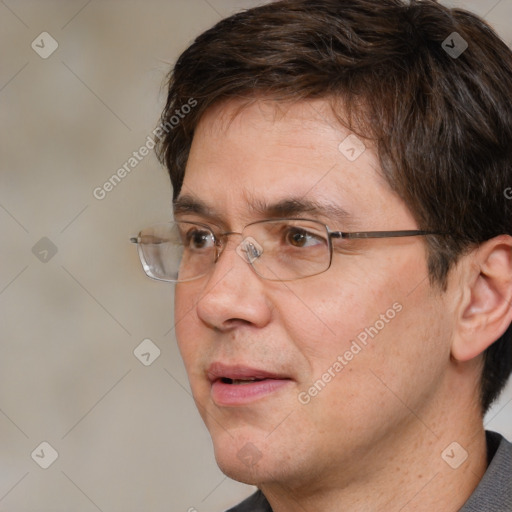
485	312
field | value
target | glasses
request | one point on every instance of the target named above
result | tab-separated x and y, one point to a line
277	249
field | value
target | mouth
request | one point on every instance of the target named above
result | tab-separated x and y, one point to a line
227	380
240	385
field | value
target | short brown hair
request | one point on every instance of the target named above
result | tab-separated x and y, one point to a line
441	122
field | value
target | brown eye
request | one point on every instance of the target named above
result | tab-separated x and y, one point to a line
298	237
196	239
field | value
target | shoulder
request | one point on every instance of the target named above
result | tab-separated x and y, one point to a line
494	492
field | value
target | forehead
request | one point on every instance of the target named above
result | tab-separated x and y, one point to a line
267	153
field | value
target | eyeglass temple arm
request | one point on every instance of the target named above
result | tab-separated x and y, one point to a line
382	234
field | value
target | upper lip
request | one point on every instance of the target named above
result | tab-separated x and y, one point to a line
217	371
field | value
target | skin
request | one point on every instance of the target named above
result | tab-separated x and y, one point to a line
372	438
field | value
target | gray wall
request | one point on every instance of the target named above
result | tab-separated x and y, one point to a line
74	303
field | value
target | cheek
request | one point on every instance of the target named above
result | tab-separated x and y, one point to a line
185	324
397	369
324	317
380	327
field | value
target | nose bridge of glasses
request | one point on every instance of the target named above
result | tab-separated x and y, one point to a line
222	240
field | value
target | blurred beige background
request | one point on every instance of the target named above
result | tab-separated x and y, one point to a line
74	302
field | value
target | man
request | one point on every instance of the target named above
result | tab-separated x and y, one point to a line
342	249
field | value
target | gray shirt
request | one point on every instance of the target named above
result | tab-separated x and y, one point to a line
493	494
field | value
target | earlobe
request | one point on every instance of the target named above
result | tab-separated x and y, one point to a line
485	311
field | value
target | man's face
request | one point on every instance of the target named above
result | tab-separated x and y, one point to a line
349	353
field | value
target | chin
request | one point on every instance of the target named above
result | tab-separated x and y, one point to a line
246	471
240	473
244	459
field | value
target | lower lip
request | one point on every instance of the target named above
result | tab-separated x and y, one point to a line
241	394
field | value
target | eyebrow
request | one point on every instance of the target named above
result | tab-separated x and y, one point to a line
286	207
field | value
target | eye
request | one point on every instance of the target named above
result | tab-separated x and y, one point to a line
299	237
198	239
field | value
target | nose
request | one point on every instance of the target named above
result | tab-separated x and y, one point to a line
233	293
